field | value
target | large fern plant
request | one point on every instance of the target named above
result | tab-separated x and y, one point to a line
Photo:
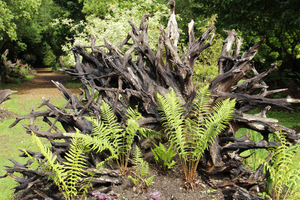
192	135
109	135
66	175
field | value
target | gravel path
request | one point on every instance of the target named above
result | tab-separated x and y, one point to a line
41	85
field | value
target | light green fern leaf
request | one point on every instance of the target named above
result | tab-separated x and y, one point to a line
50	164
108	117
149	180
171	111
284	171
76	164
164	155
202	103
207	131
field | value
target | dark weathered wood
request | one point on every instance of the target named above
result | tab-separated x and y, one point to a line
123	80
5	95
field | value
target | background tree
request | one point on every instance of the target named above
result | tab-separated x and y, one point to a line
27	31
15	17
278	20
114	25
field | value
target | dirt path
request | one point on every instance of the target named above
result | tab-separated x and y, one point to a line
41	85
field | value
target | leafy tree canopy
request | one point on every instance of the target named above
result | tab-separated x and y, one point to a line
102	8
278	20
115	24
13	13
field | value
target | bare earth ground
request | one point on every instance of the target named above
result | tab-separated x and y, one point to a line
169	184
41	85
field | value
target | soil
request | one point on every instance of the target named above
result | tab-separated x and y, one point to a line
169	184
41	85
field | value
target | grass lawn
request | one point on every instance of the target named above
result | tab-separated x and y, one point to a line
16	138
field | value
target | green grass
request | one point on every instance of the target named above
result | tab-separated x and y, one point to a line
73	85
288	119
12	139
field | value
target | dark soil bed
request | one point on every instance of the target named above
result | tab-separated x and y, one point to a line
170	186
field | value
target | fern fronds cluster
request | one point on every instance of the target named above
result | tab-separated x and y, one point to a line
75	166
140	177
164	156
284	169
191	136
109	135
65	175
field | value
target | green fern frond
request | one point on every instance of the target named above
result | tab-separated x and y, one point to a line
141	169
75	165
284	171
134	180
171	111
50	164
141	165
207	130
149	180
108	117
164	155
133	113
137	156
202	102
108	134
192	136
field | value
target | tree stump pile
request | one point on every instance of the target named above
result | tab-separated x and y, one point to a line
131	74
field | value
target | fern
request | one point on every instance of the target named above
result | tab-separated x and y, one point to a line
140	177
50	164
172	110
66	175
164	156
192	136
75	166
284	169
109	135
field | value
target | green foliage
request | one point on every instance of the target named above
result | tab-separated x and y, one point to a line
284	169
25	25
49	59
109	135
115	25
140	176
278	20
65	175
164	156
256	156
13	14
192	136
75	167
